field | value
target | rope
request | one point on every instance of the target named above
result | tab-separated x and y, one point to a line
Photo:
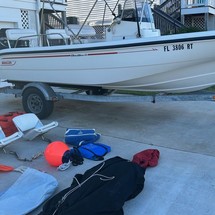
102	177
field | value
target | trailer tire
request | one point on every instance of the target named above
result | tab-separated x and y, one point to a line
34	101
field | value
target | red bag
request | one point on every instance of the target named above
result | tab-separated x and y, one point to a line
7	124
146	158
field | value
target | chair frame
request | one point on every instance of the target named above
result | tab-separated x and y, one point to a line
22	122
5	141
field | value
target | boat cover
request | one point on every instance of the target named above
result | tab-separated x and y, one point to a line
30	190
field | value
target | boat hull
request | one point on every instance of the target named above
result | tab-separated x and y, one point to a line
176	63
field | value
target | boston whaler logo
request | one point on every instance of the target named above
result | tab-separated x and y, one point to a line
8	62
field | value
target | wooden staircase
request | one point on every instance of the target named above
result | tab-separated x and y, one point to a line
167	16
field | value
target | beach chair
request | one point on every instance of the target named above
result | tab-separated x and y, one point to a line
31	126
4	141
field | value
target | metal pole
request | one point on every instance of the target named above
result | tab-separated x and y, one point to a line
38	6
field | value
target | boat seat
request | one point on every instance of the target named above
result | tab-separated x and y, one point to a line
18	35
57	34
31	126
86	31
4	141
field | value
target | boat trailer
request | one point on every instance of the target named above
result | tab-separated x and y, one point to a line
39	97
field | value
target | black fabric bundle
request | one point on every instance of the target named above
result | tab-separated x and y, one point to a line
101	190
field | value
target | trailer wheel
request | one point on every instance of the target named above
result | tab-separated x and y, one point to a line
33	101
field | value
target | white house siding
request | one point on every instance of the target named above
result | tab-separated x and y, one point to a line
18	14
25	13
157	2
81	8
8	21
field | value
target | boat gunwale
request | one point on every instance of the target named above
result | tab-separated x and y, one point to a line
108	45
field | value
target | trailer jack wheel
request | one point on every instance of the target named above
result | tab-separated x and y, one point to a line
33	101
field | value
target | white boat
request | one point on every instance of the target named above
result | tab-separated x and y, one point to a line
132	56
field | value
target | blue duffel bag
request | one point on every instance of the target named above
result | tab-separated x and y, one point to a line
77	136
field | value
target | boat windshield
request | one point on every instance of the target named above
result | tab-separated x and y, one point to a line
137	10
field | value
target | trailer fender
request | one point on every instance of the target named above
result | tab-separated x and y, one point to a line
38	98
45	89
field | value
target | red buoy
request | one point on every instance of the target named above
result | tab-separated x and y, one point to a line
54	152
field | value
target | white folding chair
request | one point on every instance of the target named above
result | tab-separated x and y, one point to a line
31	126
4	141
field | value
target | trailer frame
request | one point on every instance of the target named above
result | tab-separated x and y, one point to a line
39	98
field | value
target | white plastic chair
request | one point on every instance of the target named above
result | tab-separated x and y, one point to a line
4	141
31	126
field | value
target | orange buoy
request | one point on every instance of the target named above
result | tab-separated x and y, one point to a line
54	152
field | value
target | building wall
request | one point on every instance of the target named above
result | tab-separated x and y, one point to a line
196	14
18	14
81	8
211	22
157	2
25	13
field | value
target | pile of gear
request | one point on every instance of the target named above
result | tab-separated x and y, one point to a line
83	145
114	180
